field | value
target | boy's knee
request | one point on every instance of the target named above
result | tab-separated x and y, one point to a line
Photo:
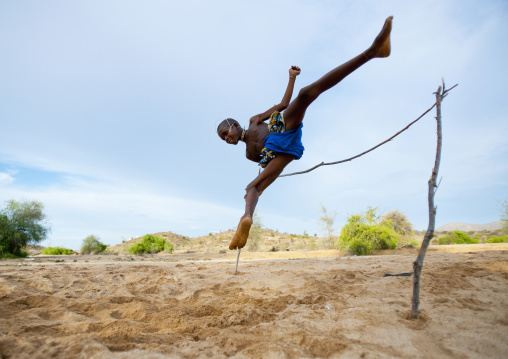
256	187
308	93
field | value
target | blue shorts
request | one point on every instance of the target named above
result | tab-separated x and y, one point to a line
281	141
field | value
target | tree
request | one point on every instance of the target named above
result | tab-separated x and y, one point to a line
327	221
11	241
91	244
21	223
365	232
255	235
400	222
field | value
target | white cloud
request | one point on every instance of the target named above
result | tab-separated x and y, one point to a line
5	178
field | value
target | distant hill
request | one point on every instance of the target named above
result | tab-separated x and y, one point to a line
466	227
217	242
271	240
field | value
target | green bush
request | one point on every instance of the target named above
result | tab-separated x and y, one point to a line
457	237
168	247
57	251
366	232
414	243
150	244
360	247
91	244
400	222
498	239
22	254
137	248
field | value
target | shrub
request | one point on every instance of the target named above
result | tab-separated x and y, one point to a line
399	221
57	251
360	247
414	243
91	244
22	254
311	244
150	244
498	239
457	237
137	248
365	232
168	247
255	236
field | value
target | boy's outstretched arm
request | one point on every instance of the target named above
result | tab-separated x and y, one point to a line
286	99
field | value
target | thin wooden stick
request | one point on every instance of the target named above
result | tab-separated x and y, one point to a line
373	148
237	258
418	263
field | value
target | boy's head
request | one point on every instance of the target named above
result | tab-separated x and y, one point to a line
230	131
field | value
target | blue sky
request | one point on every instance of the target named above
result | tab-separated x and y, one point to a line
108	111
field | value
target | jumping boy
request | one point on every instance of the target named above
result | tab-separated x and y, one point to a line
275	145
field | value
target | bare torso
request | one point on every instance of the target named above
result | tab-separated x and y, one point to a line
255	140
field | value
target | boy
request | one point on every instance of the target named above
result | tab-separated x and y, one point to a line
276	145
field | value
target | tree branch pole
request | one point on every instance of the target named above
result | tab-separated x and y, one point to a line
418	263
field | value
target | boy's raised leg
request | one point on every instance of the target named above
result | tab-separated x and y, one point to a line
380	48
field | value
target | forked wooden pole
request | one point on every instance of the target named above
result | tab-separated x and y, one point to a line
418	263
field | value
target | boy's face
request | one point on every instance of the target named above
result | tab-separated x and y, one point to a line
231	134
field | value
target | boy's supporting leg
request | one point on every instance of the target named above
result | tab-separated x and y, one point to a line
242	231
254	190
293	116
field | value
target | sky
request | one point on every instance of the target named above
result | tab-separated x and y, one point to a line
108	112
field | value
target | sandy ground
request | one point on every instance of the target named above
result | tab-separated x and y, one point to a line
313	305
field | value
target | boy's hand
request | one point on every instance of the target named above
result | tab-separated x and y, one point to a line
294	71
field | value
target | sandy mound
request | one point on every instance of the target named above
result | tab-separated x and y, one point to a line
274	308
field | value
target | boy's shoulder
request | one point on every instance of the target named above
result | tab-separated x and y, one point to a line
255	120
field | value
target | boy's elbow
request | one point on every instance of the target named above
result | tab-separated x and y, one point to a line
282	106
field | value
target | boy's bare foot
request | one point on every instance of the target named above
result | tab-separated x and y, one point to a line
381	46
242	233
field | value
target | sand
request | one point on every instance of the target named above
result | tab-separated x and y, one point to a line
308	306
